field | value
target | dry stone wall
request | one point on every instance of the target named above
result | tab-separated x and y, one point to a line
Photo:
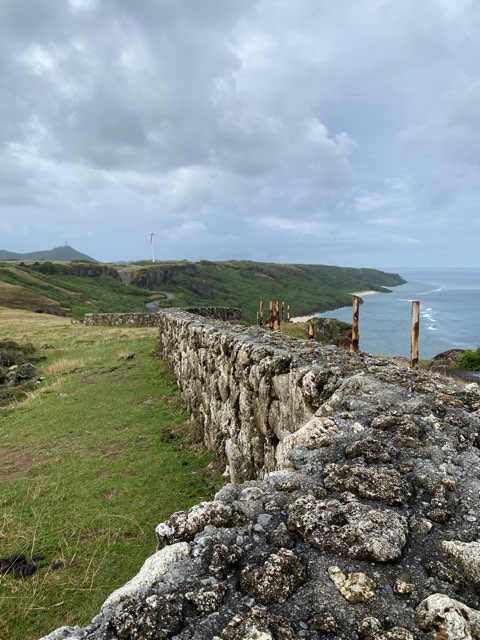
368	529
152	319
248	388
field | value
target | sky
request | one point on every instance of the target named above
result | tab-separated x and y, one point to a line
339	132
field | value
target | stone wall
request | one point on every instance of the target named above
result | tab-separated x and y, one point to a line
248	388
368	529
144	319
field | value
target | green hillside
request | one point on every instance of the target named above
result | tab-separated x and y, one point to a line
64	252
306	288
74	288
79	288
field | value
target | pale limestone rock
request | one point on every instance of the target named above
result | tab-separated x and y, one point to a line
403	585
371	629
314	434
184	525
467	556
153	569
448	619
355	587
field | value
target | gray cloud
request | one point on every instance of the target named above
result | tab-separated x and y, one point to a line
313	131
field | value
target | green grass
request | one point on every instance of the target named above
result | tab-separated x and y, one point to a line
89	464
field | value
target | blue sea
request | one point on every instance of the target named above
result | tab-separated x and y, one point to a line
449	313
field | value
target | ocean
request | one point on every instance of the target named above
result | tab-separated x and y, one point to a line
449	313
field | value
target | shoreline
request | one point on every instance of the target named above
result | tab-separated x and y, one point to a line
316	314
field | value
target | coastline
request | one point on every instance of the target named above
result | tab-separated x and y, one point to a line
297	319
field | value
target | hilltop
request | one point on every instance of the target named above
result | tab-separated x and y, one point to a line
77	288
64	252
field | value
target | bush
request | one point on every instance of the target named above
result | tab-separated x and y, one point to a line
469	360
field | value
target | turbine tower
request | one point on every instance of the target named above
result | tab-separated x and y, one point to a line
153	245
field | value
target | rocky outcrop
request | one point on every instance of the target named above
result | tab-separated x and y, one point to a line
370	529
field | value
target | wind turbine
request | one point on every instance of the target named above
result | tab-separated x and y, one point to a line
153	245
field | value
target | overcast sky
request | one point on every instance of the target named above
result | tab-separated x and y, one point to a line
318	131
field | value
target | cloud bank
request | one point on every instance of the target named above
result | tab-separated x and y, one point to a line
342	133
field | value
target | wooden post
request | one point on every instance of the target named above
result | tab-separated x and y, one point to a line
276	318
283	311
415	333
311	329
270	319
355	317
288	313
261	313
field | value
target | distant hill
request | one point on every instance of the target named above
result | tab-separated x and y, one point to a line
65	253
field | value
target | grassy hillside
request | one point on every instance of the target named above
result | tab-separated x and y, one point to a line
81	288
98	454
74	288
307	288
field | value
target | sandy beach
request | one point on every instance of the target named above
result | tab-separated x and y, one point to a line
313	315
303	318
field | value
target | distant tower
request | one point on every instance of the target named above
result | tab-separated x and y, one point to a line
153	245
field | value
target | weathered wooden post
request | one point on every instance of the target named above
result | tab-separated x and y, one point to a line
276	319
311	329
261	314
283	311
270	319
288	313
415	333
355	317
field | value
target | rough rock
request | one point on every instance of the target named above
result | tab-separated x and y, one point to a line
373	483
257	625
276	580
153	569
467	556
157	618
371	629
352	529
184	525
355	587
448	619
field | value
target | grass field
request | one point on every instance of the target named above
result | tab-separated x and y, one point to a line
90	461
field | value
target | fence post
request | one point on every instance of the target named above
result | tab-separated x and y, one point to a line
283	311
270	319
355	322
276	320
311	329
288	313
415	333
261	314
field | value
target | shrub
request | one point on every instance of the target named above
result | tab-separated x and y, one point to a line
469	360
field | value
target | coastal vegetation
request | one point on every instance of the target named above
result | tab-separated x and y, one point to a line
469	360
93	455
